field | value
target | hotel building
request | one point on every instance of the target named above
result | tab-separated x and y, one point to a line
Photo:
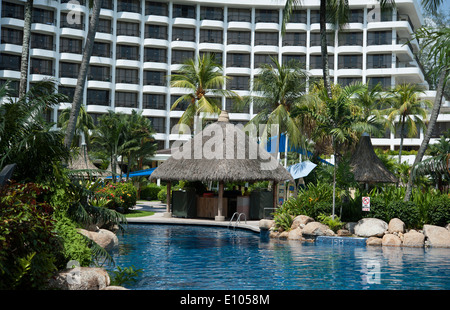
139	43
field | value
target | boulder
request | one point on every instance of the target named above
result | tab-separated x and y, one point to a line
371	227
437	236
104	238
350	226
317	229
343	233
301	221
413	238
114	288
374	241
80	278
283	235
396	226
295	234
391	240
266	224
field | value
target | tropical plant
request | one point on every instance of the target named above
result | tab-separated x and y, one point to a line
279	88
334	223
27	139
408	109
124	276
95	5
83	125
203	79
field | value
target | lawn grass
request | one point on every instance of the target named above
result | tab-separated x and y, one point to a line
138	213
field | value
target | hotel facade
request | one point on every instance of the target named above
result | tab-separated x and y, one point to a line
139	43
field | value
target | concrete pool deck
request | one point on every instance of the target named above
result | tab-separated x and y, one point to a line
159	218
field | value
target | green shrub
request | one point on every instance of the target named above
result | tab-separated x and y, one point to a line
407	211
150	192
124	276
283	220
121	196
438	212
162	194
334	224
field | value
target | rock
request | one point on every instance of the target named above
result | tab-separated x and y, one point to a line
343	233
301	221
413	239
295	234
391	240
274	234
350	226
447	226
80	278
283	235
371	227
104	238
114	288
374	241
317	229
396	226
266	224
437	236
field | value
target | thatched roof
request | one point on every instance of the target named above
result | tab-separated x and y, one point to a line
366	165
221	152
82	162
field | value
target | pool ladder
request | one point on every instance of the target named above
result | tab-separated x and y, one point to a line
238	219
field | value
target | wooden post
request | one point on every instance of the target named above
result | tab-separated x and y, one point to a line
219	216
168	213
275	194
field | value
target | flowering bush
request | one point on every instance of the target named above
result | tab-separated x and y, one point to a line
118	196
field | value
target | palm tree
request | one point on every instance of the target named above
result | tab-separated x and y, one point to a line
25	48
81	81
84	124
407	107
203	78
439	42
279	88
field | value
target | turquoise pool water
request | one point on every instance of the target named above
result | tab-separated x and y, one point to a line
210	258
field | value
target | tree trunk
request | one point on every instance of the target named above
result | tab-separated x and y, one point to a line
401	140
25	48
324	48
430	128
79	89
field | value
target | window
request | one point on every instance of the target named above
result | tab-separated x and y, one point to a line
13	86
158	124
233	108
239	83
67	22
127	52
350	38
239	37
298	16
10	62
181	106
294	39
266	38
384	81
155	78
264	59
156	8
314	16
43	17
180	56
185	11
68	69
440	128
379	37
129	6
239	15
127	76
300	58
183	34
126	99
266	16
156	32
350	62
316	40
356	16
41	66
107	4
154	101
67	45
211	36
128	29
101	49
379	61
104	25
316	62
212	13
12	36
216	55
68	91
238	60
99	73
12	10
155	54
98	97
42	41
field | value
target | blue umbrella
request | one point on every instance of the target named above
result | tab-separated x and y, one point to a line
301	170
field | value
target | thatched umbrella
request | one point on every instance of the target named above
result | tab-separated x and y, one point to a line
221	152
366	165
84	164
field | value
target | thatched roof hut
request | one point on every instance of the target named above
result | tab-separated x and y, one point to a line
83	164
221	152
366	165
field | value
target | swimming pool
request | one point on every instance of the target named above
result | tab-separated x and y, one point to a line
183	257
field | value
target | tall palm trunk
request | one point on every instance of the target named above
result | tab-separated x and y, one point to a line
401	140
430	128
25	48
79	89
324	46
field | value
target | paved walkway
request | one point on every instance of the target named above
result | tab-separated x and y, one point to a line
160	208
